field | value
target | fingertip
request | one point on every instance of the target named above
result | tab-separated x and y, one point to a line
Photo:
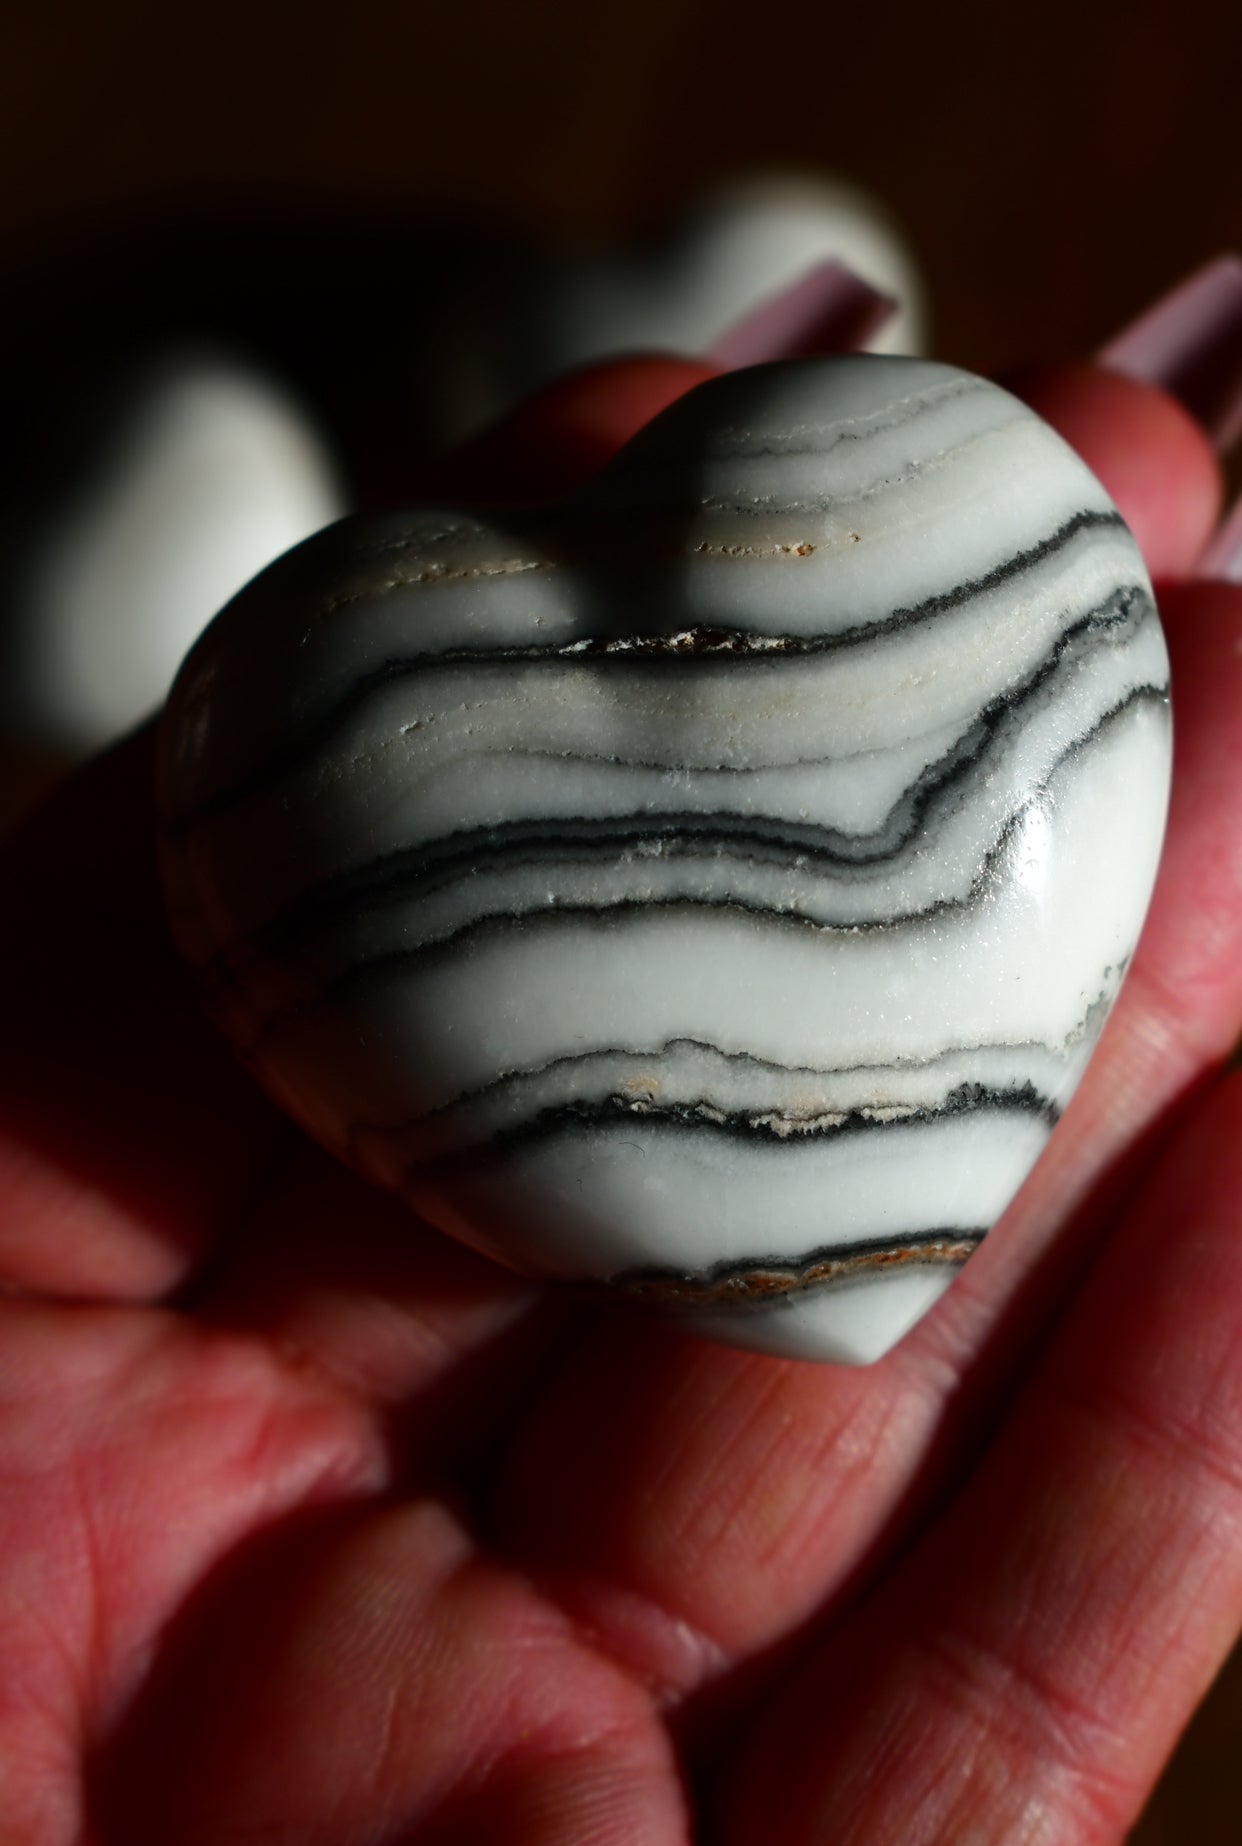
555	441
1157	463
610	402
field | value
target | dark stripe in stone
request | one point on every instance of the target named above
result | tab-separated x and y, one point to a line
653	1056
771	1128
605	916
414	871
771	1131
655	652
755	647
659	444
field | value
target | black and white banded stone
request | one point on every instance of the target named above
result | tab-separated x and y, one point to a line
713	887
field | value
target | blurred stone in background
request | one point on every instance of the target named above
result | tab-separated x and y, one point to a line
149	482
201	472
680	289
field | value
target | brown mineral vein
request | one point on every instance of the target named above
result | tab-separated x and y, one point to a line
798	549
764	1282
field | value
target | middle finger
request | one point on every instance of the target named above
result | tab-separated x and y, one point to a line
716	1499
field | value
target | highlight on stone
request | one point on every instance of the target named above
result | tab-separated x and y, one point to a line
710	889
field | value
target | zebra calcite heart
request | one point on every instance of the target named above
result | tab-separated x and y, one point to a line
713	887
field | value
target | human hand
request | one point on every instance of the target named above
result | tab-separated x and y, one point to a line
317	1528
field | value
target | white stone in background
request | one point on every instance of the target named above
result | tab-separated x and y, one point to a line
736	249
210	472
712	889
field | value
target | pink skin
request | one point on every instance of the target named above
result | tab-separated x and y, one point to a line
1154	462
319	1530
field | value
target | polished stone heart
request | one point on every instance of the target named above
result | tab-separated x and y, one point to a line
712	887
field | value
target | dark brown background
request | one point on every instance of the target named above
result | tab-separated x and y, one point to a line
1052	167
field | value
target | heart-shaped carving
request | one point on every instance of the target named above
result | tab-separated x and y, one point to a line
713	887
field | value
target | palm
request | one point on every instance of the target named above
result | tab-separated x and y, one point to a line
356	1539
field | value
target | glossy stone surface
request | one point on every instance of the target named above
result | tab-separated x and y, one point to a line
713	888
